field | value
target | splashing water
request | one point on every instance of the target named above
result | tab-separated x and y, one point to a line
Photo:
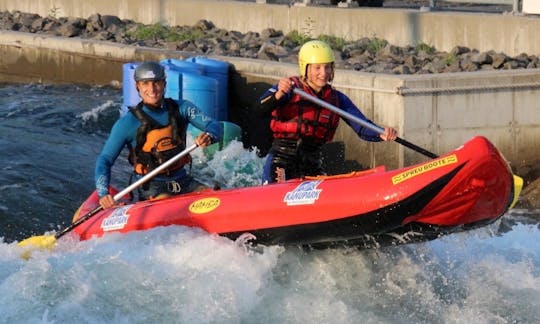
232	167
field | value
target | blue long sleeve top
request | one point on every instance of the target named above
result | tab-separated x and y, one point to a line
124	132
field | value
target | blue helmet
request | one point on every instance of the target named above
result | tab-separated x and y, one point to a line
149	71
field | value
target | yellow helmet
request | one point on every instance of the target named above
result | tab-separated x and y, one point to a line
314	52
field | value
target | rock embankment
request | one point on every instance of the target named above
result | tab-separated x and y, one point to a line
530	196
365	54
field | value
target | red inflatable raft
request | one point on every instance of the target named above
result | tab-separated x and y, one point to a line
469	187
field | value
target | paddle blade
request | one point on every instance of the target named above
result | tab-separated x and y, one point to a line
518	185
44	242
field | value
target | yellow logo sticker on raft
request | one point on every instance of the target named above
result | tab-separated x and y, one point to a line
205	205
435	164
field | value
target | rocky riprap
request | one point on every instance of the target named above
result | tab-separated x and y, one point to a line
366	54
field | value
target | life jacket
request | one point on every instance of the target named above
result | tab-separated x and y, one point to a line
158	143
301	118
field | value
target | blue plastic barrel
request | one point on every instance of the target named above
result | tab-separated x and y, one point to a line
202	91
174	69
130	96
184	66
173	87
218	70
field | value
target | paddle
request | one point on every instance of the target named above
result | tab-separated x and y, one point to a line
48	241
363	123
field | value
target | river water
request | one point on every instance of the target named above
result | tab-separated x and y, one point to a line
50	138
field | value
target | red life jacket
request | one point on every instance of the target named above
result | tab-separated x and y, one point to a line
301	118
158	143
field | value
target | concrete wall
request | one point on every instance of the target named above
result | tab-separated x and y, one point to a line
504	33
436	112
453	107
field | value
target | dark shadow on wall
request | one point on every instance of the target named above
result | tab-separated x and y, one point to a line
414	28
334	162
243	112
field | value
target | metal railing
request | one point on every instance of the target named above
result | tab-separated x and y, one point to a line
499	2
433	4
513	3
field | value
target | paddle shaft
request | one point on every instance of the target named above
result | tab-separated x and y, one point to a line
128	189
361	122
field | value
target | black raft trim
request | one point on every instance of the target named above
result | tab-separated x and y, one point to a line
351	228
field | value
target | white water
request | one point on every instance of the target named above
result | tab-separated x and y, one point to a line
183	275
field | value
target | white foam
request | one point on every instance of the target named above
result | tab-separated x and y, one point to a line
94	113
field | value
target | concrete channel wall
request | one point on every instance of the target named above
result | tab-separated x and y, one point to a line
436	112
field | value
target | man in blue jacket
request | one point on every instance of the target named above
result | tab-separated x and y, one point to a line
154	131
